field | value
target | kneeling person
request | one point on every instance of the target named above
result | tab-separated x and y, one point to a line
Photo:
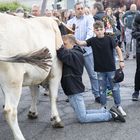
73	64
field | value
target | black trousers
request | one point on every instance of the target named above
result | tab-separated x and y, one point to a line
137	74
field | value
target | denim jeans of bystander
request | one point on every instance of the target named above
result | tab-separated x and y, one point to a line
115	87
89	65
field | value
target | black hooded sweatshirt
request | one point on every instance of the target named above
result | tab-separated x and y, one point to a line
73	64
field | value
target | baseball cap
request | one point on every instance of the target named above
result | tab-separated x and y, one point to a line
119	76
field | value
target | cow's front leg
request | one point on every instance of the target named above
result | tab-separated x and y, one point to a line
12	95
33	113
55	118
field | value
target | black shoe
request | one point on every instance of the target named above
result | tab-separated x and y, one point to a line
67	100
134	56
116	114
97	99
135	96
126	57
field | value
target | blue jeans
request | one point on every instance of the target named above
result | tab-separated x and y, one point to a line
89	65
85	116
115	87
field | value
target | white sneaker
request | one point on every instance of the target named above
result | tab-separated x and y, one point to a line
122	111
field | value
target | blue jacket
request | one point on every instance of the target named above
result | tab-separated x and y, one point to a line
128	19
99	16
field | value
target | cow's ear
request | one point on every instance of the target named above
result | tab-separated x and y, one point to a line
68	29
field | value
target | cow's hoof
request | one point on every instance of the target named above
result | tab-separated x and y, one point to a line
32	115
58	125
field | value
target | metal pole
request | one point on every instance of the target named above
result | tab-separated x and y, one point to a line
55	4
70	4
43	7
84	2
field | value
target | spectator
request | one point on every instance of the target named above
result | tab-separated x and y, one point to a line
122	10
120	26
87	11
136	35
100	15
111	25
20	12
83	25
49	13
128	19
98	11
72	14
73	64
103	47
35	11
56	13
65	15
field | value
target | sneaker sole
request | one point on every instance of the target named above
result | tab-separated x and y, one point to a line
135	99
119	113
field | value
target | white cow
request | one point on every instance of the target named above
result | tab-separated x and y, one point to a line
18	35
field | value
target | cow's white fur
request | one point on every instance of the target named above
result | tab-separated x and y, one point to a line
18	35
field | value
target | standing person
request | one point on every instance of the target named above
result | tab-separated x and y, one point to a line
100	15
35	10
48	13
136	35
111	24
128	19
83	25
98	11
104	63
121	9
65	15
73	64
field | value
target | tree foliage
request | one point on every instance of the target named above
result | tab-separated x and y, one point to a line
11	6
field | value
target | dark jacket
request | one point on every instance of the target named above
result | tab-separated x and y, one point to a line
99	16
73	64
136	33
129	18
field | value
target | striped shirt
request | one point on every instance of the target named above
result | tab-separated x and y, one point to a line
83	29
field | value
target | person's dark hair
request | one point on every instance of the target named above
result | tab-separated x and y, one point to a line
98	24
78	3
99	6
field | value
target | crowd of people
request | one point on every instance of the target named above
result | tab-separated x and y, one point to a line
101	38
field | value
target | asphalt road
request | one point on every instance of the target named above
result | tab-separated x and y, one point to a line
41	129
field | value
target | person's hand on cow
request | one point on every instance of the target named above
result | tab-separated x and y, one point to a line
81	43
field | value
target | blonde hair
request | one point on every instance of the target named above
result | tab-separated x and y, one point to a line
70	37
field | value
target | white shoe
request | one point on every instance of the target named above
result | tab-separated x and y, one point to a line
122	111
103	108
